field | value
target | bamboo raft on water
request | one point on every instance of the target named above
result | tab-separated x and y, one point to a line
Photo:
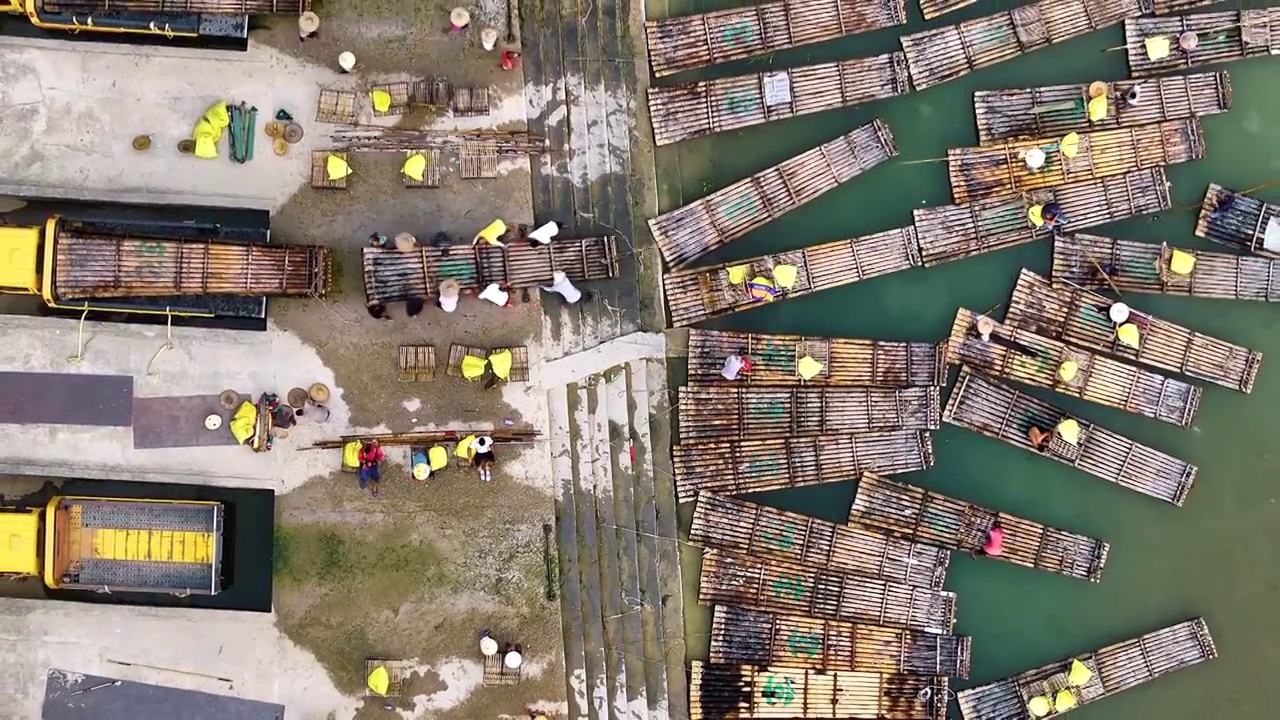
721	413
936	8
1143	268
1111	670
1165	7
1055	110
1040	362
750	637
694	109
1080	317
1248	224
1000	412
941	54
927	517
775	360
704	293
990	171
734	467
778	587
392	275
725	523
1221	37
690	231
741	692
711	38
955	232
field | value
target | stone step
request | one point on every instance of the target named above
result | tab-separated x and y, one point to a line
590	617
612	606
569	586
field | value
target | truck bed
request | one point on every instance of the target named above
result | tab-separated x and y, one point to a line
180	7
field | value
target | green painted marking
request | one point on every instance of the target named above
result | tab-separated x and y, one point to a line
804	644
743	207
739	33
150	268
788	586
782	537
761	467
739	102
778	691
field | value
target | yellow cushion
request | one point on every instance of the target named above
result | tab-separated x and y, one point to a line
438	457
501	362
1157	47
351	454
1181	263
785	275
244	422
1068	370
808	368
1035	214
204	128
1128	335
379	680
415	166
1069	430
463	450
1079	674
336	167
1070	144
1064	700
1098	108
493	231
738	274
217	115
473	367
1039	706
206	148
381	100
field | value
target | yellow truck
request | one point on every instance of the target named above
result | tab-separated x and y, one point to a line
161	20
116	545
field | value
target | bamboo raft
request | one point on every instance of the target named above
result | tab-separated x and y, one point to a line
724	523
392	275
1112	669
737	692
997	170
845	362
1249	224
776	587
1000	412
693	230
1098	379
180	7
705	293
927	517
935	8
719	413
1140	266
696	41
694	109
735	467
1055	110
389	139
1079	317
941	54
955	232
749	637
1165	7
1223	37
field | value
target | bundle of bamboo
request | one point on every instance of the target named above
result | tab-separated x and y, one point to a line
778	587
1055	110
704	293
1111	670
1080	317
1041	362
735	692
1164	7
695	229
780	360
924	516
734	467
724	523
998	411
718	412
741	637
1157	45
1096	262
934	8
695	41
946	53
1240	221
694	109
181	7
501	142
1003	168
954	232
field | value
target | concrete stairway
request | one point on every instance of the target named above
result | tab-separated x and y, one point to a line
621	608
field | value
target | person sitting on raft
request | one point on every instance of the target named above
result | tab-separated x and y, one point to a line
1039	438
735	364
1053	217
371	457
995	541
1223	205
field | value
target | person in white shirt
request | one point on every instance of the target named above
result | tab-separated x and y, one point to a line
482	456
450	291
494	293
735	365
543	235
564	286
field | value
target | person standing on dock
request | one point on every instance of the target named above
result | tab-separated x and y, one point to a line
543	236
371	457
735	364
564	286
450	291
496	294
483	457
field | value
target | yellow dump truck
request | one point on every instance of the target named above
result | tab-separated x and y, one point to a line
162	20
116	545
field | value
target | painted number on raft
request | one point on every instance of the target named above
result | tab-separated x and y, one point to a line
788	586
150	265
738	102
801	644
743	207
778	691
782	537
739	33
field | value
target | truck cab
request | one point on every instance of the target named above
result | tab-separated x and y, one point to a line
20	258
20	543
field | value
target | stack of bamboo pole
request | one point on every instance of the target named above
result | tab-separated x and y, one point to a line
400	139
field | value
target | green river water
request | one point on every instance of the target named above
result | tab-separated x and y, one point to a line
1217	556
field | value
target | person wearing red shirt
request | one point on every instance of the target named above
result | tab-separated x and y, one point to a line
995	541
371	457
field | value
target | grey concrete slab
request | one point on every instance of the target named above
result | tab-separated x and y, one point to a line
178	421
33	398
71	695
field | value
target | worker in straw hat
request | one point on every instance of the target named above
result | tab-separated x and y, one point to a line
488	646
459	19
308	26
450	291
346	61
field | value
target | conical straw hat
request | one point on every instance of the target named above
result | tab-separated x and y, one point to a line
308	22
986	325
1097	88
1035	158
488	646
347	61
406	242
489	38
449	288
459	17
1118	312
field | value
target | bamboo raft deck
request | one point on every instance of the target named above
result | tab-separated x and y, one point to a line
183	7
936	8
1079	317
1223	36
690	231
697	41
845	361
776	587
88	264
1165	7
1055	110
689	110
927	517
1099	379
725	523
392	275
1245	225
1216	275
738	692
955	232
941	54
719	412
749	637
705	293
1000	412
735	467
1114	669
990	171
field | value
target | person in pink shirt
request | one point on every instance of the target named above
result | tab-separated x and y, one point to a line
995	541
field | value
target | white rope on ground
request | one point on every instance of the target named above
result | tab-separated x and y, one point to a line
168	345
79	356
